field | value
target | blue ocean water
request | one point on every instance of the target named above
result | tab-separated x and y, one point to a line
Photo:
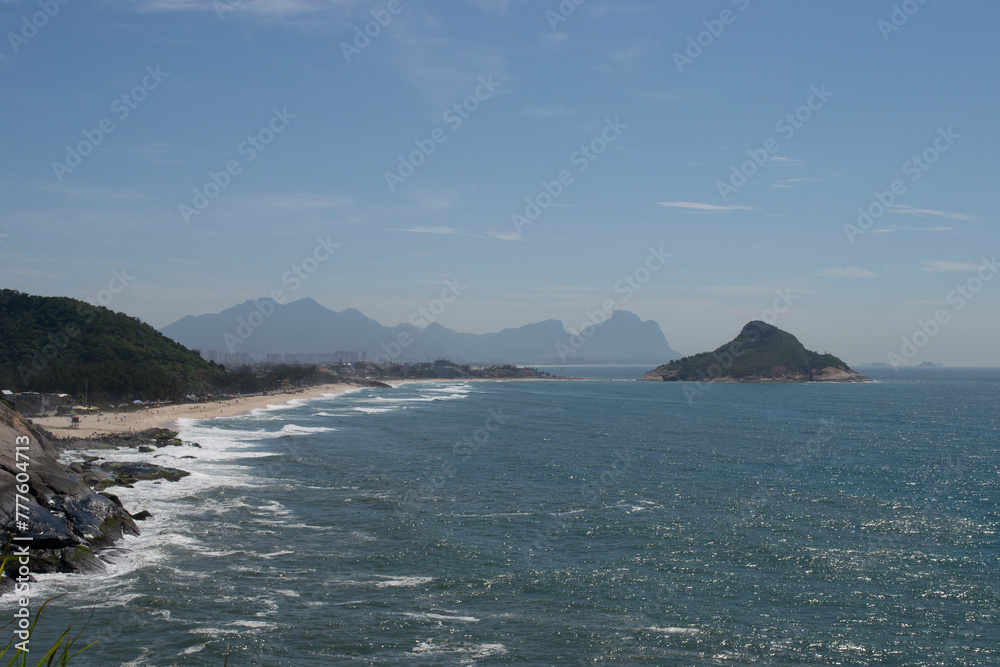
570	523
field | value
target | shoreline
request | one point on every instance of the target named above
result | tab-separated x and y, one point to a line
94	426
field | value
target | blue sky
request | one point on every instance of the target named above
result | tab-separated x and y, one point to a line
209	84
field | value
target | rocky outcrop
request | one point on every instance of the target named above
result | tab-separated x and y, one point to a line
68	521
832	374
761	353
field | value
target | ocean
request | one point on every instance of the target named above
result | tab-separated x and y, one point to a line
568	523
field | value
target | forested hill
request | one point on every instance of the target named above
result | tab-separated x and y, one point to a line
58	344
760	353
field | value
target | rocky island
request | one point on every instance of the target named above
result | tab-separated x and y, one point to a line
760	353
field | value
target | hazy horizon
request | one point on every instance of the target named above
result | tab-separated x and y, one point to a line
699	165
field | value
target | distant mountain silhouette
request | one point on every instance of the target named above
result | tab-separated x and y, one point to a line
263	326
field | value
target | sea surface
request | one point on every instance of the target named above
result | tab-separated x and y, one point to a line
568	523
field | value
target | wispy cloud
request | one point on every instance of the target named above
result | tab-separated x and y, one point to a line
740	290
848	272
781	161
548	112
894	228
427	230
927	212
290	202
702	208
509	236
268	8
498	7
443	70
451	231
945	265
626	58
791	182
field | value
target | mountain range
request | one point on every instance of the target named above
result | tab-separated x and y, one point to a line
264	326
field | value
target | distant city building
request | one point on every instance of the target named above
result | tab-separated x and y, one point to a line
212	355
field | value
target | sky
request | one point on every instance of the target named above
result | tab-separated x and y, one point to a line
830	168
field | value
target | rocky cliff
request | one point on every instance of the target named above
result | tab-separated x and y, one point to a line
68	521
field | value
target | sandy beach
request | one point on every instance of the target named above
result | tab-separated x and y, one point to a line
141	420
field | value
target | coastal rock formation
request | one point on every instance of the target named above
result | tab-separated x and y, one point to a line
67	520
761	353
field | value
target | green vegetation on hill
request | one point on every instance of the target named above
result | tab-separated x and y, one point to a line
759	351
58	344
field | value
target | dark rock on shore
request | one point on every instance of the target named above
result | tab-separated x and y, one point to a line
68	517
67	520
154	437
127	474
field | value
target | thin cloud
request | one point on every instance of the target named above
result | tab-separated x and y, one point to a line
945	265
782	161
292	202
427	230
790	182
626	58
510	236
928	212
548	112
444	71
451	231
702	208
498	7
269	8
848	272
739	290
894	228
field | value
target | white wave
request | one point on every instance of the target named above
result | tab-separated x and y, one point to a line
567	513
214	632
295	429
375	411
448	388
392	399
484	650
402	582
442	617
671	630
255	625
194	649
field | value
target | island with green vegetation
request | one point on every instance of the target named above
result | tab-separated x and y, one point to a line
760	353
